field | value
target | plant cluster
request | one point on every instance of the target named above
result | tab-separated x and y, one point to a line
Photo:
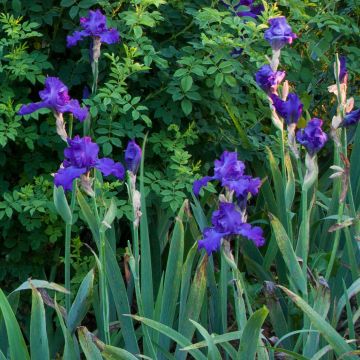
128	263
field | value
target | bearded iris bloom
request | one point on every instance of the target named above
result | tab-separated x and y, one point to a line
312	137
290	110
56	97
279	34
133	156
94	26
229	171
228	221
81	156
268	79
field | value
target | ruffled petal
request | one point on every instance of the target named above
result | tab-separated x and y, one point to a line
199	184
72	40
73	107
253	233
30	108
227	218
110	36
211	241
81	152
65	176
110	167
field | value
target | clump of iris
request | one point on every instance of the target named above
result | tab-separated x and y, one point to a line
230	219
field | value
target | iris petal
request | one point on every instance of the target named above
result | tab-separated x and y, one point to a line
65	176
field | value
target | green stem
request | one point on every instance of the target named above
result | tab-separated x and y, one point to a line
284	177
95	71
71	123
103	289
67	264
223	292
340	208
335	244
303	243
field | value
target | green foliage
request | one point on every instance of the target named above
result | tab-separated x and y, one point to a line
174	80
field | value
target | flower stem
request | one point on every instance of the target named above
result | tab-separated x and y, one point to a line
341	205
67	264
103	289
303	243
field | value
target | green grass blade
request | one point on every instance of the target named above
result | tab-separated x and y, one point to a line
193	304
118	290
172	334
41	284
349	315
89	217
327	331
82	302
17	345
172	277
288	253
39	346
213	352
114	353
185	284
69	349
61	204
146	276
230	350
279	188
2	356
276	313
90	350
293	354
321	306
251	335
351	291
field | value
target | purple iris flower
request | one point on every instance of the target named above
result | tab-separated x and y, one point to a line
227	221
81	156
351	118
279	34
55	96
133	156
343	70
94	26
254	233
312	137
230	172
290	110
211	240
228	166
268	79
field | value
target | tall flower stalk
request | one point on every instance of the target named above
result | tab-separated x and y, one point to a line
339	148
268	78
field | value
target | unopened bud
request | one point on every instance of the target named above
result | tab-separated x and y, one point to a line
60	126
